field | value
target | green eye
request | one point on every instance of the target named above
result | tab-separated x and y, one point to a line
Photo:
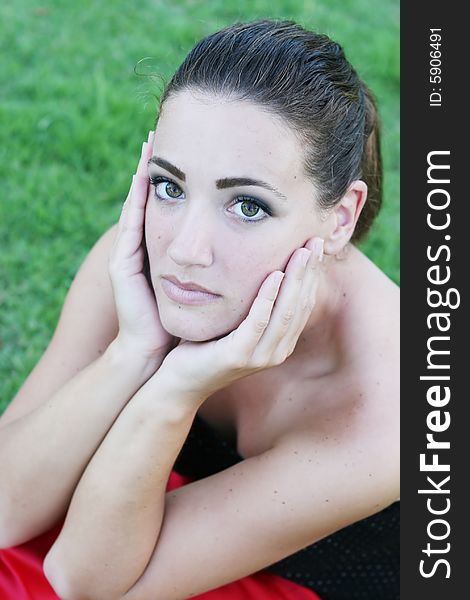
249	209
165	186
172	190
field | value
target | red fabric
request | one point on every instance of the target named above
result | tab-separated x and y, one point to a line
22	577
21	574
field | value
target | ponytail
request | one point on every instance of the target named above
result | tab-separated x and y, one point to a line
371	166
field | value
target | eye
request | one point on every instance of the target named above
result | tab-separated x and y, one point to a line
172	190
249	209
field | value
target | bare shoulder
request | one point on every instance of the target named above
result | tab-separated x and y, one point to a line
348	438
86	326
375	347
373	373
371	322
350	418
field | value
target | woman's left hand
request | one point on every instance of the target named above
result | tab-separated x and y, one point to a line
266	337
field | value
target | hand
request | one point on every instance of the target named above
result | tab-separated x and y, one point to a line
266	337
140	328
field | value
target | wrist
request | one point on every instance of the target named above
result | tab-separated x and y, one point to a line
123	355
170	389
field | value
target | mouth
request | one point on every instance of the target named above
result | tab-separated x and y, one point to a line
189	285
186	292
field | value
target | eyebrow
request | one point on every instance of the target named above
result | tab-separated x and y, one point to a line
226	182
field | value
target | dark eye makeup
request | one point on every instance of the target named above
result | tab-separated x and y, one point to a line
248	205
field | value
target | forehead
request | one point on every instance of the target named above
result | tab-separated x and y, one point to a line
227	137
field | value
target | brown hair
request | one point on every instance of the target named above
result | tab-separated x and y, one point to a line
304	78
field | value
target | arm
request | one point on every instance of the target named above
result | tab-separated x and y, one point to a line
117	509
116	514
125	539
45	452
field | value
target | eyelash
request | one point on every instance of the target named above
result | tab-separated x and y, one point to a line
156	180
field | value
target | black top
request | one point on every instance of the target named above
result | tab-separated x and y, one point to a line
359	562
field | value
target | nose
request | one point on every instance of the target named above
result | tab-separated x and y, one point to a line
193	239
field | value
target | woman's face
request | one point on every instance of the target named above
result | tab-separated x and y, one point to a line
204	227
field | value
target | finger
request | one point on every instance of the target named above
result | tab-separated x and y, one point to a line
249	332
146	152
310	283
130	227
286	305
139	194
306	303
140	179
128	219
124	208
147	148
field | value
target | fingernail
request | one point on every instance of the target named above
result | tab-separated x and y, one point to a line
318	248
304	257
150	135
143	147
279	276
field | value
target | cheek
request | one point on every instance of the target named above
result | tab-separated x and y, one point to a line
247	268
156	232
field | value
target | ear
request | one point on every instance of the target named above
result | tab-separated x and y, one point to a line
344	217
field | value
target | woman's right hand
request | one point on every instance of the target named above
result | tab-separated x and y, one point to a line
141	333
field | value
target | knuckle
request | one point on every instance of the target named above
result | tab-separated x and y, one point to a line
287	317
278	359
259	362
261	325
293	345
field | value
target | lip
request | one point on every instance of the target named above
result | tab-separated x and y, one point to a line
186	293
188	285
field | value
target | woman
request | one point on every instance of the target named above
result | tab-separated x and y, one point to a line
220	419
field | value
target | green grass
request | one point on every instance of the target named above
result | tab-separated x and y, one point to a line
74	115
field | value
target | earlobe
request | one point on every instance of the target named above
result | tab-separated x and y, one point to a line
346	213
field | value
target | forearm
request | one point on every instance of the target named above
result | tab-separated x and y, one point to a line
45	452
116	512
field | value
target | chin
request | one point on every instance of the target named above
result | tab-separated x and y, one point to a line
196	329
